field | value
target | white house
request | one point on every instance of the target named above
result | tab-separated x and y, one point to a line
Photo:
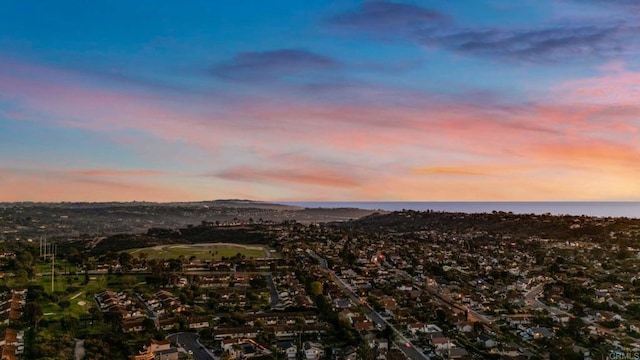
441	343
312	351
288	348
464	326
416	327
487	341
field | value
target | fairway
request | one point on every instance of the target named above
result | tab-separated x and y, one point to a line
209	251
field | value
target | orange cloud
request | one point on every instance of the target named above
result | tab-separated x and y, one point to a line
53	185
467	170
314	177
560	149
595	154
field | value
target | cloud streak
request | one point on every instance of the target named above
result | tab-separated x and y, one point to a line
380	17
624	4
119	173
316	176
543	44
467	170
549	44
272	65
384	144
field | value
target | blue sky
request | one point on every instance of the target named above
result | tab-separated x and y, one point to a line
296	100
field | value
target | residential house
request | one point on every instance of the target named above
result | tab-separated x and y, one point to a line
465	326
312	350
287	348
441	343
198	323
416	327
487	341
540	333
132	325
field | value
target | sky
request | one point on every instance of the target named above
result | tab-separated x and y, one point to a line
468	100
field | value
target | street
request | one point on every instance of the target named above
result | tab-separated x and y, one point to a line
189	342
531	300
272	290
399	339
403	343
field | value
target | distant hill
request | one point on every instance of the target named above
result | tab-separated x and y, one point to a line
498	223
74	219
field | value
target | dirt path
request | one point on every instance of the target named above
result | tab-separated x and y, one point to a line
243	246
78	351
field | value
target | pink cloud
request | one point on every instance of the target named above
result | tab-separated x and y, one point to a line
614	88
368	149
112	173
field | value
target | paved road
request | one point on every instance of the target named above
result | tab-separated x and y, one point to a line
403	343
152	314
189	341
272	290
532	302
531	298
322	261
448	301
400	340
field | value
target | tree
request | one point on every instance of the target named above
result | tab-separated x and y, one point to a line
69	323
478	328
32	313
112	318
125	259
128	281
175	264
365	352
64	304
258	282
96	314
388	334
316	288
575	327
73	256
25	258
22	276
149	324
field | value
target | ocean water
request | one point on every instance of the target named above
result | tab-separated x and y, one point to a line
599	209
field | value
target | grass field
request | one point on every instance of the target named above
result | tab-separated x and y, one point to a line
213	251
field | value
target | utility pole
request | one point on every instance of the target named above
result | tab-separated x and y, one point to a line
53	268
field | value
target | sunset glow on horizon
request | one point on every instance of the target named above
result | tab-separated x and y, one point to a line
490	100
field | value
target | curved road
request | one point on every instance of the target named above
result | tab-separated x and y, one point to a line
531	300
189	342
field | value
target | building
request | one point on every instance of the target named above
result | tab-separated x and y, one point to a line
312	351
